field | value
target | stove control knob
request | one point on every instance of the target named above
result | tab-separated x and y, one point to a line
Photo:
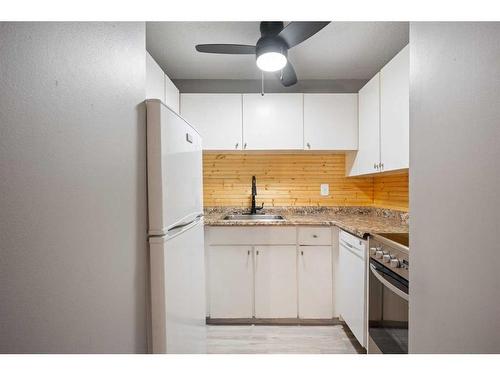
386	258
373	250
379	254
395	263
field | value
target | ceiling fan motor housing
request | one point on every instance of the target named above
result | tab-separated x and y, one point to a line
271	44
271	28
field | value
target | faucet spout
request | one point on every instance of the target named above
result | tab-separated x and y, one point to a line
253	209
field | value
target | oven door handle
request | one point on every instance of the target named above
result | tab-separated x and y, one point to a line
386	283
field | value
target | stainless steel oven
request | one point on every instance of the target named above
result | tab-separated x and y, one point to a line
388	293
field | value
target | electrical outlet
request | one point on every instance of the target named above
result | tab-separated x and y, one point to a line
325	189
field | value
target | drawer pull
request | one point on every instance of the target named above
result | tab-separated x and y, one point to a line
315	236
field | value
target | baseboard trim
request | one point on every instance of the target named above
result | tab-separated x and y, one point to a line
274	321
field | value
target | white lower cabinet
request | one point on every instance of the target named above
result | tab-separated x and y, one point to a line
270	272
230	281
275	281
315	282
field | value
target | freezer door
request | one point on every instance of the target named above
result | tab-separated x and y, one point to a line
174	169
178	290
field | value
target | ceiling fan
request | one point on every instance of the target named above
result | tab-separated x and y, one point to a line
271	50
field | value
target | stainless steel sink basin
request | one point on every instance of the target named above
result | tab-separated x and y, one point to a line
257	217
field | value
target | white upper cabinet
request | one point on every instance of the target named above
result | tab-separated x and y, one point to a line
330	121
159	86
155	80
395	112
171	94
273	122
384	120
368	155
218	118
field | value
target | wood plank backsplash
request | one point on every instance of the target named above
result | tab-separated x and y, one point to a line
293	179
282	180
391	191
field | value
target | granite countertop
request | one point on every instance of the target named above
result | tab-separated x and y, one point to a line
360	221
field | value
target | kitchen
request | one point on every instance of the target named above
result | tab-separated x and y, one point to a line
254	212
295	186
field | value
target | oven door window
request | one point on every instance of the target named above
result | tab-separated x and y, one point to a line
388	310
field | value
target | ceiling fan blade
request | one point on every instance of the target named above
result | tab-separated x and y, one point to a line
287	75
296	32
229	49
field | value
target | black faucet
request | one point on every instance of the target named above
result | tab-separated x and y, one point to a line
254	209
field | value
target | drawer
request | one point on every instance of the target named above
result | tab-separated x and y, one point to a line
315	236
251	235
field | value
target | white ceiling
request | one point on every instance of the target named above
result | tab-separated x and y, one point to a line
342	50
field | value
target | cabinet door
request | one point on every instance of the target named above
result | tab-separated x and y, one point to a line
394	112
171	94
217	117
273	122
275	282
231	281
368	155
315	282
331	121
155	80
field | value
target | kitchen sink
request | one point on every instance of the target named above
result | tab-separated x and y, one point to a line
256	217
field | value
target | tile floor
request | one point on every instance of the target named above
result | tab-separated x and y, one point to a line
259	339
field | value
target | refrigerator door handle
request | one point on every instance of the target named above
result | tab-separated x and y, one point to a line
180	228
197	218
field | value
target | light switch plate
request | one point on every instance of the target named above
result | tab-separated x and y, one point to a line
325	189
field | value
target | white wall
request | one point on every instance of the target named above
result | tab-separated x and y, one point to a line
72	188
455	188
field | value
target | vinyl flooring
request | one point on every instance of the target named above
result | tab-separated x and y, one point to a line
262	339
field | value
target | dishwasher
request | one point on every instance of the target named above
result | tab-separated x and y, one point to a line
352	284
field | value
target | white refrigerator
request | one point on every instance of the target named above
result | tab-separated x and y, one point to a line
176	235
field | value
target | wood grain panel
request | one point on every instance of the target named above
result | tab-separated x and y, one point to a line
291	179
391	191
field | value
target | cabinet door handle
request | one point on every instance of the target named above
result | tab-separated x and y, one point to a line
245	145
257	252
308	145
375	166
236	145
302	252
248	252
381	165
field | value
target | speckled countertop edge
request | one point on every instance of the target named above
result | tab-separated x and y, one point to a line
360	221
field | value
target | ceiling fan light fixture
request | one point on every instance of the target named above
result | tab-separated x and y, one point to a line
271	50
271	61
